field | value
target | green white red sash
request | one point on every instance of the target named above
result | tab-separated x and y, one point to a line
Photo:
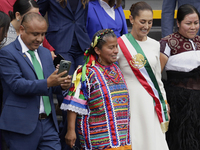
142	70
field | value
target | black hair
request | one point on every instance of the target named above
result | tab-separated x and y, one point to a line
101	35
184	10
135	8
22	6
4	23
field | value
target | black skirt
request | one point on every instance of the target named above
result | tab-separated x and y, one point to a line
184	126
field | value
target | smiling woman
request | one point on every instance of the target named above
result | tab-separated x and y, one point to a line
99	98
139	63
108	53
180	55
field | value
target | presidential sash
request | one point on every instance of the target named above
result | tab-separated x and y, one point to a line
142	70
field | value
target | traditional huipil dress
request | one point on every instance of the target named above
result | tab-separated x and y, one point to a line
146	133
183	90
102	107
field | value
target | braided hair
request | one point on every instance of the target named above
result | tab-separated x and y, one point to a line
99	39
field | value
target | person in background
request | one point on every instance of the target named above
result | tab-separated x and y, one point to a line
139	61
180	55
99	99
4	25
20	8
29	79
104	14
68	35
168	8
67	28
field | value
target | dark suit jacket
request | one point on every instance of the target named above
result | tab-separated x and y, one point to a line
97	21
168	8
63	24
22	89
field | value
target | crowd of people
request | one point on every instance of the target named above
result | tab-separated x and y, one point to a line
113	97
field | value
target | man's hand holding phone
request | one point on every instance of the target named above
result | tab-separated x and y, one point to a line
64	66
60	76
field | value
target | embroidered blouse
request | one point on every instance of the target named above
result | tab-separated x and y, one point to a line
183	53
103	117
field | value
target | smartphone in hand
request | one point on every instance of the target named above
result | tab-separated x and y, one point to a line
64	65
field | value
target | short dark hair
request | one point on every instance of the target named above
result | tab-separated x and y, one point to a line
184	10
135	8
4	23
22	6
31	16
102	35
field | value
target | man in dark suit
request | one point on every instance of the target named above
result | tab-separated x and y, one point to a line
168	7
28	118
67	22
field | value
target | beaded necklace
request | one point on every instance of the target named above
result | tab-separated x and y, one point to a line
117	79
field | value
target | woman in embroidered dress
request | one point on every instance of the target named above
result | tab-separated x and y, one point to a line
99	99
139	52
180	55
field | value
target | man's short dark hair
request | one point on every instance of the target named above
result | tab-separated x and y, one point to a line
31	16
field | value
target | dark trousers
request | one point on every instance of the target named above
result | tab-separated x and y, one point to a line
44	137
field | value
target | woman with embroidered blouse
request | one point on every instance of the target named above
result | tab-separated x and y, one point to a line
99	98
180	55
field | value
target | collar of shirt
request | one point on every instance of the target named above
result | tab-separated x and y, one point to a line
109	10
24	47
25	50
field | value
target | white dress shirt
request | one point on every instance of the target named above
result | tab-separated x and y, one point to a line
109	10
25	50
